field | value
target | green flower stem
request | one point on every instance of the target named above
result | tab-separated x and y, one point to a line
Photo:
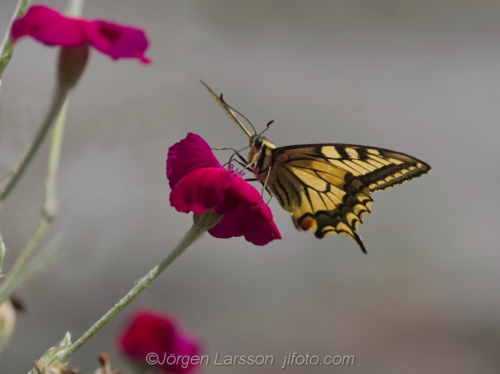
8	285
74	8
201	224
49	209
40	262
50	202
7	47
57	104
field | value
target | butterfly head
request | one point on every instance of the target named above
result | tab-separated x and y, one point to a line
260	155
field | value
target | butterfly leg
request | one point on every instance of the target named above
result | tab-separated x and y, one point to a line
243	165
235	153
264	187
242	162
270	195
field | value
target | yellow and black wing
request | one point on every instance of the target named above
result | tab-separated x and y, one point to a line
326	187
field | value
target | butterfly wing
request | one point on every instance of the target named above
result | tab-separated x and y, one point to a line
326	187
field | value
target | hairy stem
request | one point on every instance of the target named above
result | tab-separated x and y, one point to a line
7	47
49	209
50	119
202	223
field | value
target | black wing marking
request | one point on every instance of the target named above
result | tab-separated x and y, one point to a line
326	187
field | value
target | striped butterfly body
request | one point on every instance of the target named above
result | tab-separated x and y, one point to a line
326	187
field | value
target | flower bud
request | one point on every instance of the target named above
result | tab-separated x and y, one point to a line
7	321
72	61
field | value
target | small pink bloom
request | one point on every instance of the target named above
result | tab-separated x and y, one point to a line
53	28
152	332
199	182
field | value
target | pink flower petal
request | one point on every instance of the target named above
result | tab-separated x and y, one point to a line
199	183
232	224
49	27
263	232
148	326
241	192
117	41
200	190
189	154
236	195
254	223
150	331
252	218
53	28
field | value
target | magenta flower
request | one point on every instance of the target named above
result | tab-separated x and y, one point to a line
53	28
199	183
152	337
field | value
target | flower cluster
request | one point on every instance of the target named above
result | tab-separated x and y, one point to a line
199	182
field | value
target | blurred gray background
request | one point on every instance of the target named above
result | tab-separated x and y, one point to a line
419	77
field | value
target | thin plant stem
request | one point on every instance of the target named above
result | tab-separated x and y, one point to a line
74	8
59	98
7	286
7	47
39	262
49	209
202	224
50	203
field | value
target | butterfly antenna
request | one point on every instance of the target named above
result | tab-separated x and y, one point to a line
229	111
221	97
267	127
